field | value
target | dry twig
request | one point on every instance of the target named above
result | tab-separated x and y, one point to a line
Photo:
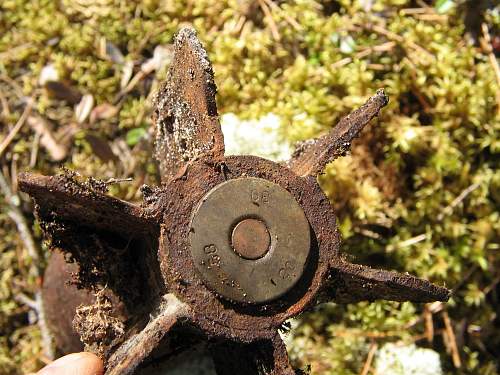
5	104
449	209
124	360
369	358
487	46
297	26
56	150
17	216
6	142
451	340
405	43
429	324
408	242
269	16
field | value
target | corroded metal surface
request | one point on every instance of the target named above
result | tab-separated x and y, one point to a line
311	157
186	119
59	315
211	313
154	258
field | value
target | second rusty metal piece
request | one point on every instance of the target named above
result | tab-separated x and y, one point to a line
186	258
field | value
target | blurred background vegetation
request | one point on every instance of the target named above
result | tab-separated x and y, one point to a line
420	191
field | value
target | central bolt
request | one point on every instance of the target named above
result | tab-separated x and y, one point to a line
251	239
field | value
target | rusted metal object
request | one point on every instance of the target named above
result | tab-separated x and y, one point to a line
59	315
185	257
61	299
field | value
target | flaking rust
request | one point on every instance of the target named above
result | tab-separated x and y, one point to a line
150	259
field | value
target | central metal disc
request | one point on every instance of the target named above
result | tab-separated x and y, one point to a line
249	240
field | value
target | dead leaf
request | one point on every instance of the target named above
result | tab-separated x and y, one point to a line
82	109
48	74
103	111
101	148
63	91
56	150
109	51
127	71
162	56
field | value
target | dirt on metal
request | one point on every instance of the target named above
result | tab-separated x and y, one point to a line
141	264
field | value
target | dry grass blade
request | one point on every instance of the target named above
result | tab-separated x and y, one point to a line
451	340
369	359
83	108
6	142
449	209
269	16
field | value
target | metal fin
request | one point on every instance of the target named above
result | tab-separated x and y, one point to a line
266	357
112	241
311	157
186	120
353	282
129	355
64	198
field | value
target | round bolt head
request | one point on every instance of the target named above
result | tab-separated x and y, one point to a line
251	239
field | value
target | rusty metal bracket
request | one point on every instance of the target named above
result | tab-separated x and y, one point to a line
231	247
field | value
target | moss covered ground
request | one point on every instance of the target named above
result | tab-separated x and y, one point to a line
420	191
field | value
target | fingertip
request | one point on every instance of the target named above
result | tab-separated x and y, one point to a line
94	364
75	364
